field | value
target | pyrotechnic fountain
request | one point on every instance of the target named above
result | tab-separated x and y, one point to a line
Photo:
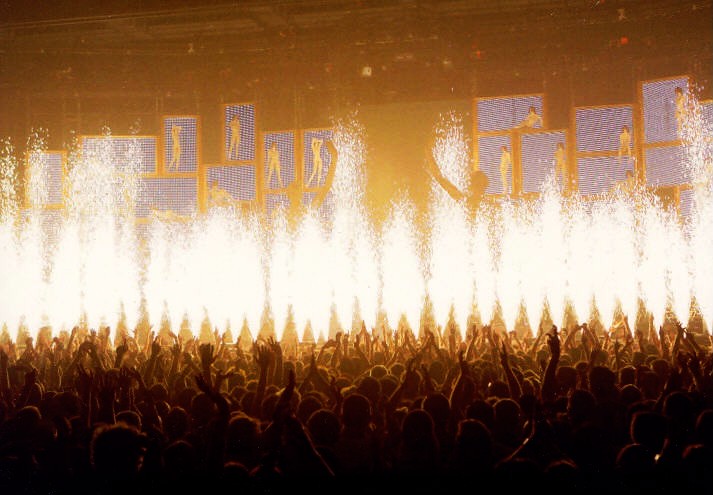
514	258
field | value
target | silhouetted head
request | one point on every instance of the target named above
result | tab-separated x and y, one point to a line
323	427
356	412
117	452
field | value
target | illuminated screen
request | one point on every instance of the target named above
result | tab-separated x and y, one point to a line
538	158
238	181
315	140
273	201
125	153
659	100
279	165
707	112
181	150
666	166
687	201
499	114
179	196
51	221
489	155
51	172
326	209
239	131
597	175
599	129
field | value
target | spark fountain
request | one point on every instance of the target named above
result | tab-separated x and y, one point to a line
518	261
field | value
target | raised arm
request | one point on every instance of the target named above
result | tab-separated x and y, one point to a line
549	383
447	185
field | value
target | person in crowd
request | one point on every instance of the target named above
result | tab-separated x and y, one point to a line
571	410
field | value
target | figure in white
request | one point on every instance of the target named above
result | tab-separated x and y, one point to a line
218	197
531	120
316	161
626	186
561	165
234	146
175	148
273	165
625	143
505	164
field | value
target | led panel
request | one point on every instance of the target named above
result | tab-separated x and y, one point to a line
274	201
179	196
314	141
538	158
686	202
280	158
599	129
51	221
489	155
239	132
136	153
666	166
499	114
238	181
598	175
707	113
49	167
180	152
326	209
659	101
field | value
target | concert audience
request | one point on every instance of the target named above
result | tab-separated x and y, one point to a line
576	411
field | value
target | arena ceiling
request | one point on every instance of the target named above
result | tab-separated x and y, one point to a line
275	50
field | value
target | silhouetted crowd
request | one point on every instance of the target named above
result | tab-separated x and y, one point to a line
570	411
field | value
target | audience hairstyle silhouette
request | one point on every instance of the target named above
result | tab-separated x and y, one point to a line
568	410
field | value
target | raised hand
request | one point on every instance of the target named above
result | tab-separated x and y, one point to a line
274	346
203	385
121	351
205	351
155	348
263	356
176	350
553	342
504	356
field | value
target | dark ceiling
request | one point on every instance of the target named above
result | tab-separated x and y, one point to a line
81	64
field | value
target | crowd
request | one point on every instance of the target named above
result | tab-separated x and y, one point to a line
572	410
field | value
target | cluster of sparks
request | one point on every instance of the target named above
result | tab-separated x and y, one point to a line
516	261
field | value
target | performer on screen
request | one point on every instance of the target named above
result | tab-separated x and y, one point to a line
505	165
273	165
531	120
316	161
234	146
175	147
219	197
472	196
626	186
561	172
625	148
